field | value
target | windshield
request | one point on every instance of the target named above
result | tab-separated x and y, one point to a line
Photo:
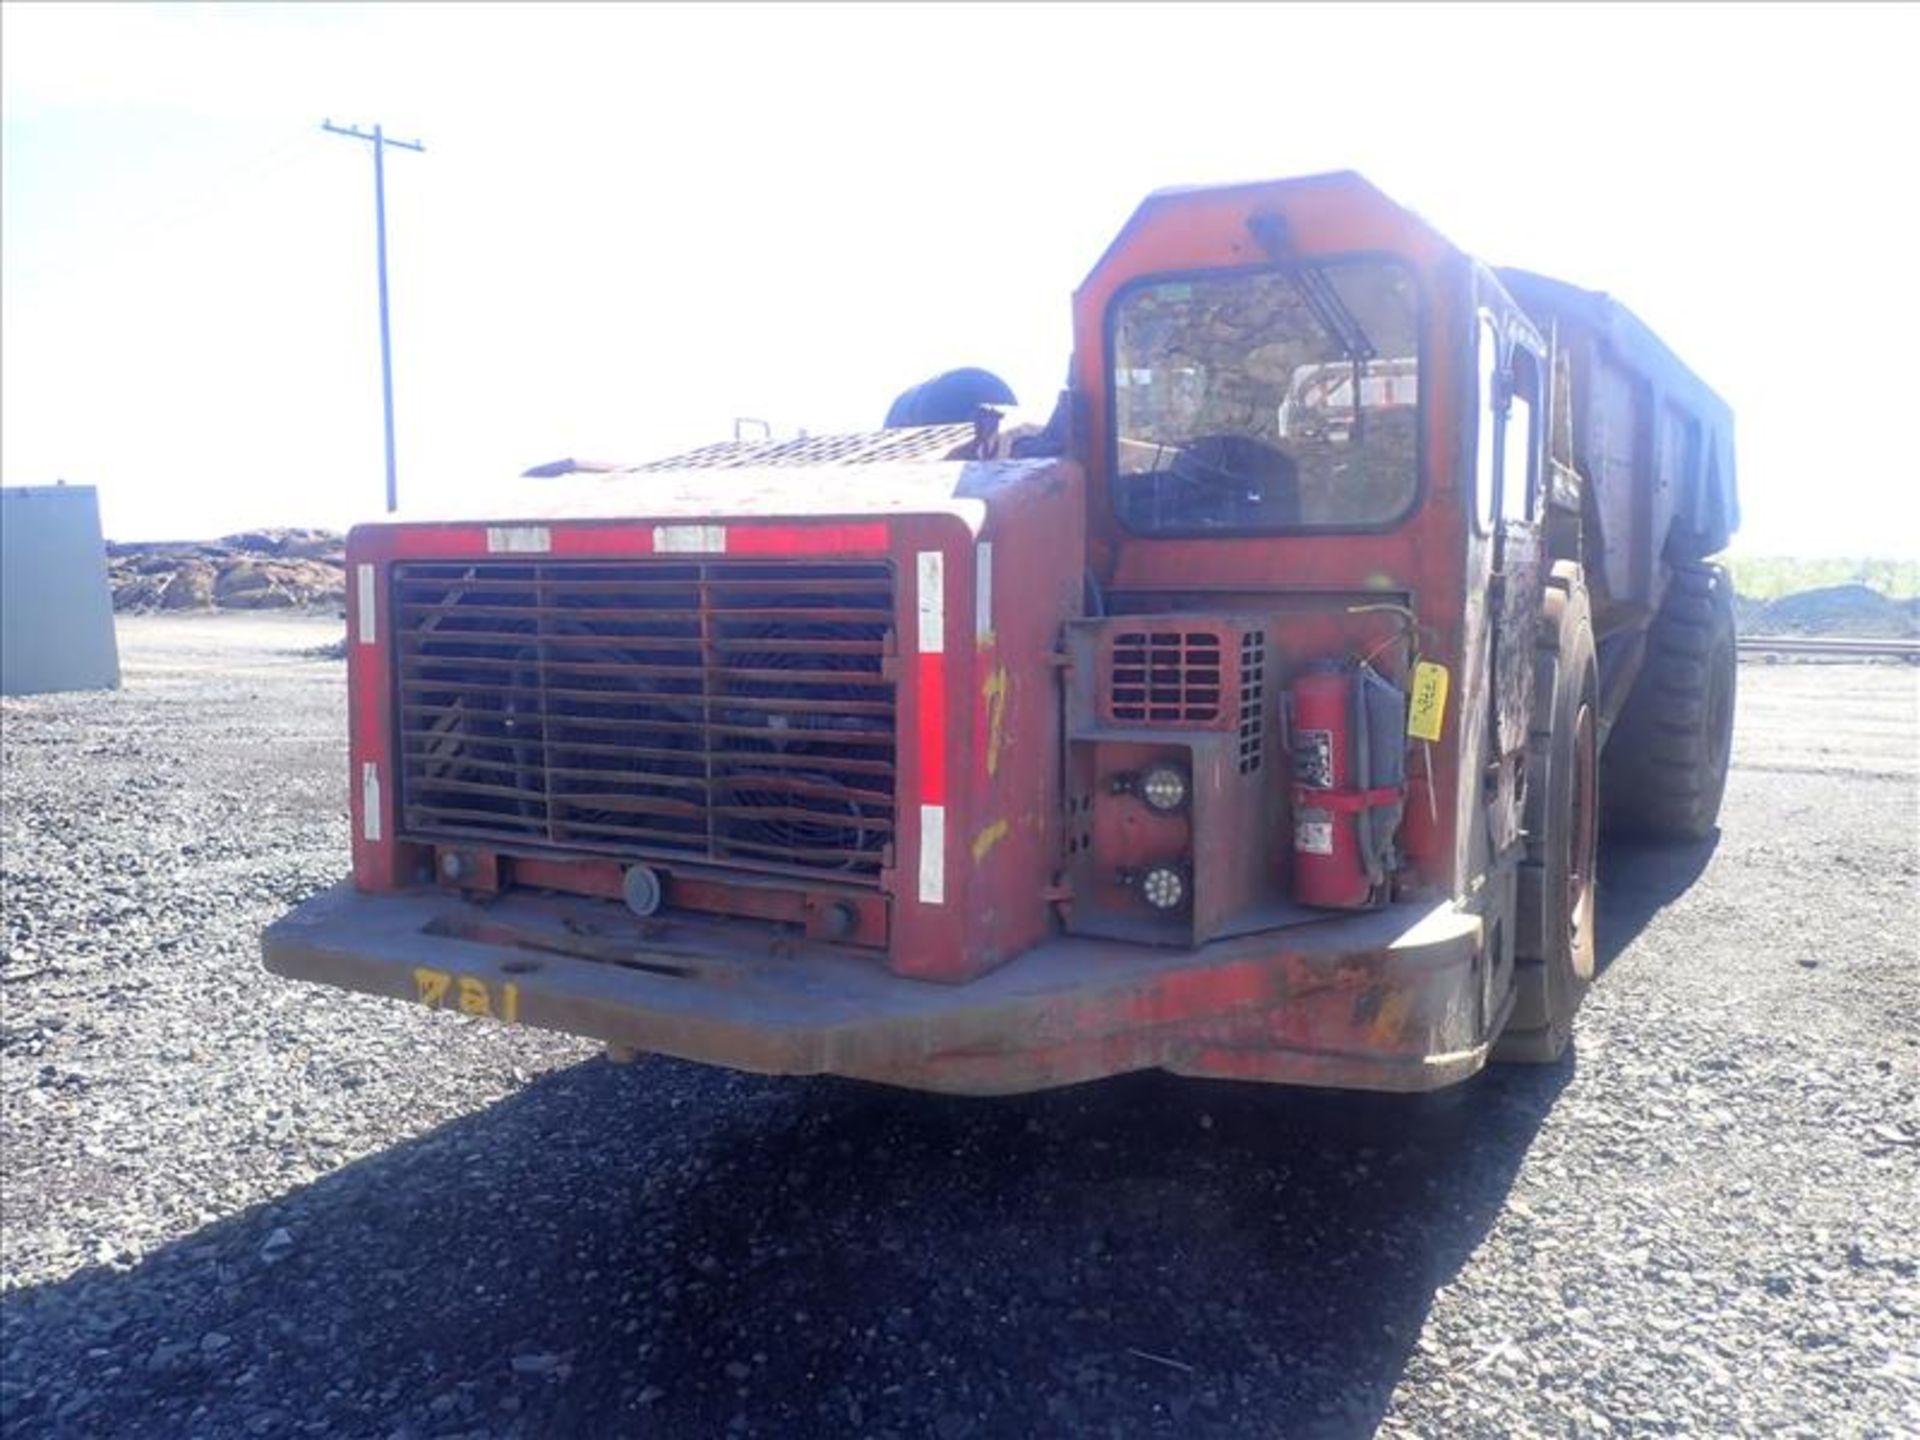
1270	400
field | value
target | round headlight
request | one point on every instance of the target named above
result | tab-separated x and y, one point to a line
1163	787
642	891
1164	888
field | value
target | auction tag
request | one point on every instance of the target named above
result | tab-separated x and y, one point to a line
1427	707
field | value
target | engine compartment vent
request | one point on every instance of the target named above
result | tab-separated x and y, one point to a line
733	712
1253	694
1165	677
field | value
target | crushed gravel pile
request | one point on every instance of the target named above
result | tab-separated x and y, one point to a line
236	1206
1852	611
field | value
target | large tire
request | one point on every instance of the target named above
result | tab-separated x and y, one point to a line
1666	760
1554	933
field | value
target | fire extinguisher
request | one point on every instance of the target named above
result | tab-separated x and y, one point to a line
1348	727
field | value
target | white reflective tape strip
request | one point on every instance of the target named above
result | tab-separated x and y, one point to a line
933	854
519	539
369	621
983	591
370	800
690	539
932	600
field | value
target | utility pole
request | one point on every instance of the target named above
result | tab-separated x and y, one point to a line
381	140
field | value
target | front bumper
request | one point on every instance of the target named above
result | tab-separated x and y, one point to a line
1393	999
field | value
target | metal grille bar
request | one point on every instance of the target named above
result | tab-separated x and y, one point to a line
731	711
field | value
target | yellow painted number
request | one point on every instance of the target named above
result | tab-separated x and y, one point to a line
470	996
1427	707
995	691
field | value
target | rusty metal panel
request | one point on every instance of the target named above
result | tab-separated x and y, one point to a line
1384	1000
1008	600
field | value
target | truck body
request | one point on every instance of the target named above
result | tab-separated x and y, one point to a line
1251	728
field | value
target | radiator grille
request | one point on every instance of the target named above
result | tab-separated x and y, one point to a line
1165	677
725	710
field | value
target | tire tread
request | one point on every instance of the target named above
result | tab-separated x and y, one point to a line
1658	780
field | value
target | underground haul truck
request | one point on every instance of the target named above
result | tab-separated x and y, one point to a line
1254	718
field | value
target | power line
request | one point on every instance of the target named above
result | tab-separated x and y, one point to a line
117	245
381	141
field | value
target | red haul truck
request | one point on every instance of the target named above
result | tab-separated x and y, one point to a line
1257	720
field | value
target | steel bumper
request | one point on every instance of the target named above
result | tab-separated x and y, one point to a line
1392	999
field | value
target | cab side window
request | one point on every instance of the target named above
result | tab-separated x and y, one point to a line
1486	472
1520	437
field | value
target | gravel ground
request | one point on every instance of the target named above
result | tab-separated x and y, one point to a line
239	1206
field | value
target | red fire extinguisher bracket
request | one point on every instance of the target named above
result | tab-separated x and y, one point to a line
1348	729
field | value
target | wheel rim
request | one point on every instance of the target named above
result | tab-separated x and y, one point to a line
1583	844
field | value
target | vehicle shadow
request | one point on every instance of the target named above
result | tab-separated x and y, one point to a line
665	1248
1143	1256
1637	881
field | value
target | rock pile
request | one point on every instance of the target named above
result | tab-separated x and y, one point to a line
256	570
1853	611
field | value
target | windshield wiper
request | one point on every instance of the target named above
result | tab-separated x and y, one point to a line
1311	282
1312	285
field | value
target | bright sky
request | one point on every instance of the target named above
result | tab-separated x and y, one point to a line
633	224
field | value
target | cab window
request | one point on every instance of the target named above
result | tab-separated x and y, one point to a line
1486	454
1267	400
1520	438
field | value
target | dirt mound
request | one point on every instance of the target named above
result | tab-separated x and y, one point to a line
255	570
1847	610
